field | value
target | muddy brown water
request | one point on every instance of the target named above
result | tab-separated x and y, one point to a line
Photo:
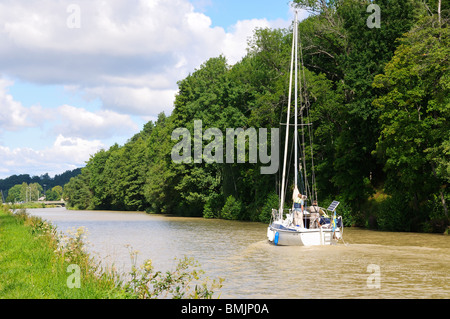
367	264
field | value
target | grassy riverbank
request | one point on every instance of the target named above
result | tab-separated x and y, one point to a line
37	262
31	268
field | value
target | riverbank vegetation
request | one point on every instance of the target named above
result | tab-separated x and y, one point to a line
14	188
379	99
37	262
30	268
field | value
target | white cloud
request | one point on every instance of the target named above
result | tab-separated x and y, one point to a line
129	54
137	47
134	100
116	38
236	41
67	120
13	115
66	153
72	150
78	122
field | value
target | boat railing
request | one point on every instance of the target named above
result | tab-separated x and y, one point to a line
276	213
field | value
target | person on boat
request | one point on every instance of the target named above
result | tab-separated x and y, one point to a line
314	213
298	210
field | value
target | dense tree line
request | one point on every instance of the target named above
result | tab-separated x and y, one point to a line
379	108
23	193
14	187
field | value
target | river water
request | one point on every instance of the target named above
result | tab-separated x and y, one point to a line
367	264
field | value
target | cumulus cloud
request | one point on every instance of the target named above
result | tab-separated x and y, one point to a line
134	100
128	54
235	42
66	153
139	48
77	134
78	122
73	150
13	115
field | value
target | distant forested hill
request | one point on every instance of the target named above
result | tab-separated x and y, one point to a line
50	182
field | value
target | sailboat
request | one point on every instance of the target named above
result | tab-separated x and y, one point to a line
303	224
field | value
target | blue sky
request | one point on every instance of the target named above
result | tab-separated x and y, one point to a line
227	13
79	75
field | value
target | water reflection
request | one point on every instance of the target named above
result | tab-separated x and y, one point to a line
410	265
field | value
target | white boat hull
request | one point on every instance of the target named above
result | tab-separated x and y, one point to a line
296	236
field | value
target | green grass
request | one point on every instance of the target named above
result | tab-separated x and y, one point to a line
30	268
35	260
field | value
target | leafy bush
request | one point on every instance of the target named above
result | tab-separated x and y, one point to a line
213	206
272	202
232	209
392	214
182	283
436	220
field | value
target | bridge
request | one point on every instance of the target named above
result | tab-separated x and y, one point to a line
56	203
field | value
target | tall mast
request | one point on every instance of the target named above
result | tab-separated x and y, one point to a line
280	211
296	111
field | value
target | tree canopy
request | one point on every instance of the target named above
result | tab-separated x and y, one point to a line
379	108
